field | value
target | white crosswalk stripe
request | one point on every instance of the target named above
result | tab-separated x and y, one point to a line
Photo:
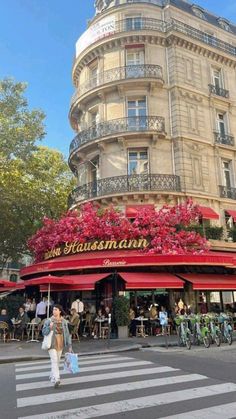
99	382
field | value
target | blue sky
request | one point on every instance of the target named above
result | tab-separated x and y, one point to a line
37	45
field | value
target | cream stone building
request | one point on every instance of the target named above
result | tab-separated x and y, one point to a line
154	108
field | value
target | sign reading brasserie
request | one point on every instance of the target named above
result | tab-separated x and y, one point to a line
78	247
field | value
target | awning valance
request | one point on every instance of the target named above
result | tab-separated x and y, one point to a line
132	211
208	213
76	282
211	281
232	214
142	280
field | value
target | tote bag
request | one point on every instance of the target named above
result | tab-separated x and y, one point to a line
71	363
47	341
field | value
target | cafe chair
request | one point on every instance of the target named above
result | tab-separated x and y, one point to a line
4	330
75	331
104	332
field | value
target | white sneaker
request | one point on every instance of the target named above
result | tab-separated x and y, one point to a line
95	337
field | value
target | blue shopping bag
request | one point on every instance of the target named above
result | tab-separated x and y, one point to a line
71	363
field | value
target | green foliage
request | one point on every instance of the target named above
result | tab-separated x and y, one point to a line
121	311
12	304
198	228
34	181
232	233
214	232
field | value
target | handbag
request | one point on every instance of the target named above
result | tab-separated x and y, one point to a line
71	363
47	341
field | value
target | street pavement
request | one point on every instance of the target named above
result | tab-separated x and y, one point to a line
14	351
131	385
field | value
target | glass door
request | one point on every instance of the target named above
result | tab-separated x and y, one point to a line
137	114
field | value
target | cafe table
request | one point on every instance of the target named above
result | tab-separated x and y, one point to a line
141	326
31	329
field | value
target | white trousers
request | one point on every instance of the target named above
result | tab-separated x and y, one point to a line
55	357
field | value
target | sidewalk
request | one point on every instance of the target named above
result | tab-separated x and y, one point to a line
23	351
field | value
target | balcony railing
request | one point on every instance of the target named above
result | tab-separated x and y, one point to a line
146	24
219	91
124	184
118	126
224	139
201	36
119	73
226	192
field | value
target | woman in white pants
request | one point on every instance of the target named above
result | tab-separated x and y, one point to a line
61	338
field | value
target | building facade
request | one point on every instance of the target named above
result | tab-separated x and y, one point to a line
154	107
154	114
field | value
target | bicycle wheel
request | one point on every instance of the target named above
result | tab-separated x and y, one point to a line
206	341
217	339
188	342
229	339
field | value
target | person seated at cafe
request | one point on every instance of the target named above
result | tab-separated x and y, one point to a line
153	317
21	322
99	317
5	318
73	321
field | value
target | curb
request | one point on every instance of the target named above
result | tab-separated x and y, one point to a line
81	354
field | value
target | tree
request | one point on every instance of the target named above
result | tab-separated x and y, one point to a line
34	180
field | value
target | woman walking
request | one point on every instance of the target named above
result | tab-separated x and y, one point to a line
60	339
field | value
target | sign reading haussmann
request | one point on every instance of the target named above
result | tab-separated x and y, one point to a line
78	247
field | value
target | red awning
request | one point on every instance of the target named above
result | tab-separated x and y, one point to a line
208	213
138	280
76	282
132	211
232	213
211	281
50	279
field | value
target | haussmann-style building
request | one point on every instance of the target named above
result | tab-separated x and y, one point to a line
154	114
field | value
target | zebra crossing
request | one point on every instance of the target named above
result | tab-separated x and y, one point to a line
114	384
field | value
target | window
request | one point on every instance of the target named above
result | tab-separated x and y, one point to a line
221	124
138	162
227	174
217	78
134	61
199	12
136	112
133	23
94	76
134	57
224	24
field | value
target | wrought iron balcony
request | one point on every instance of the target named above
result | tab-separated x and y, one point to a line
224	139
117	74
117	127
124	184
201	36
226	192
219	91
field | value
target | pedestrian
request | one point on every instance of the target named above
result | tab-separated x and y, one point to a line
61	338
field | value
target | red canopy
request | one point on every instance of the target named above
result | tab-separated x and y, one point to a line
50	279
9	284
208	213
211	281
138	280
77	282
232	213
132	211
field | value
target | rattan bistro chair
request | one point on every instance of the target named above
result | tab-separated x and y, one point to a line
4	330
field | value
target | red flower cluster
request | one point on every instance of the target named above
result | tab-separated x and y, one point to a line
165	229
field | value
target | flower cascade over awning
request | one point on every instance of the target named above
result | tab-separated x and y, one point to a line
166	229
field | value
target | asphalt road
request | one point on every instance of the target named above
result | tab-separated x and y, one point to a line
153	383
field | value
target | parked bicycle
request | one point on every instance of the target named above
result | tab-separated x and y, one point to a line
201	332
183	331
215	332
226	328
